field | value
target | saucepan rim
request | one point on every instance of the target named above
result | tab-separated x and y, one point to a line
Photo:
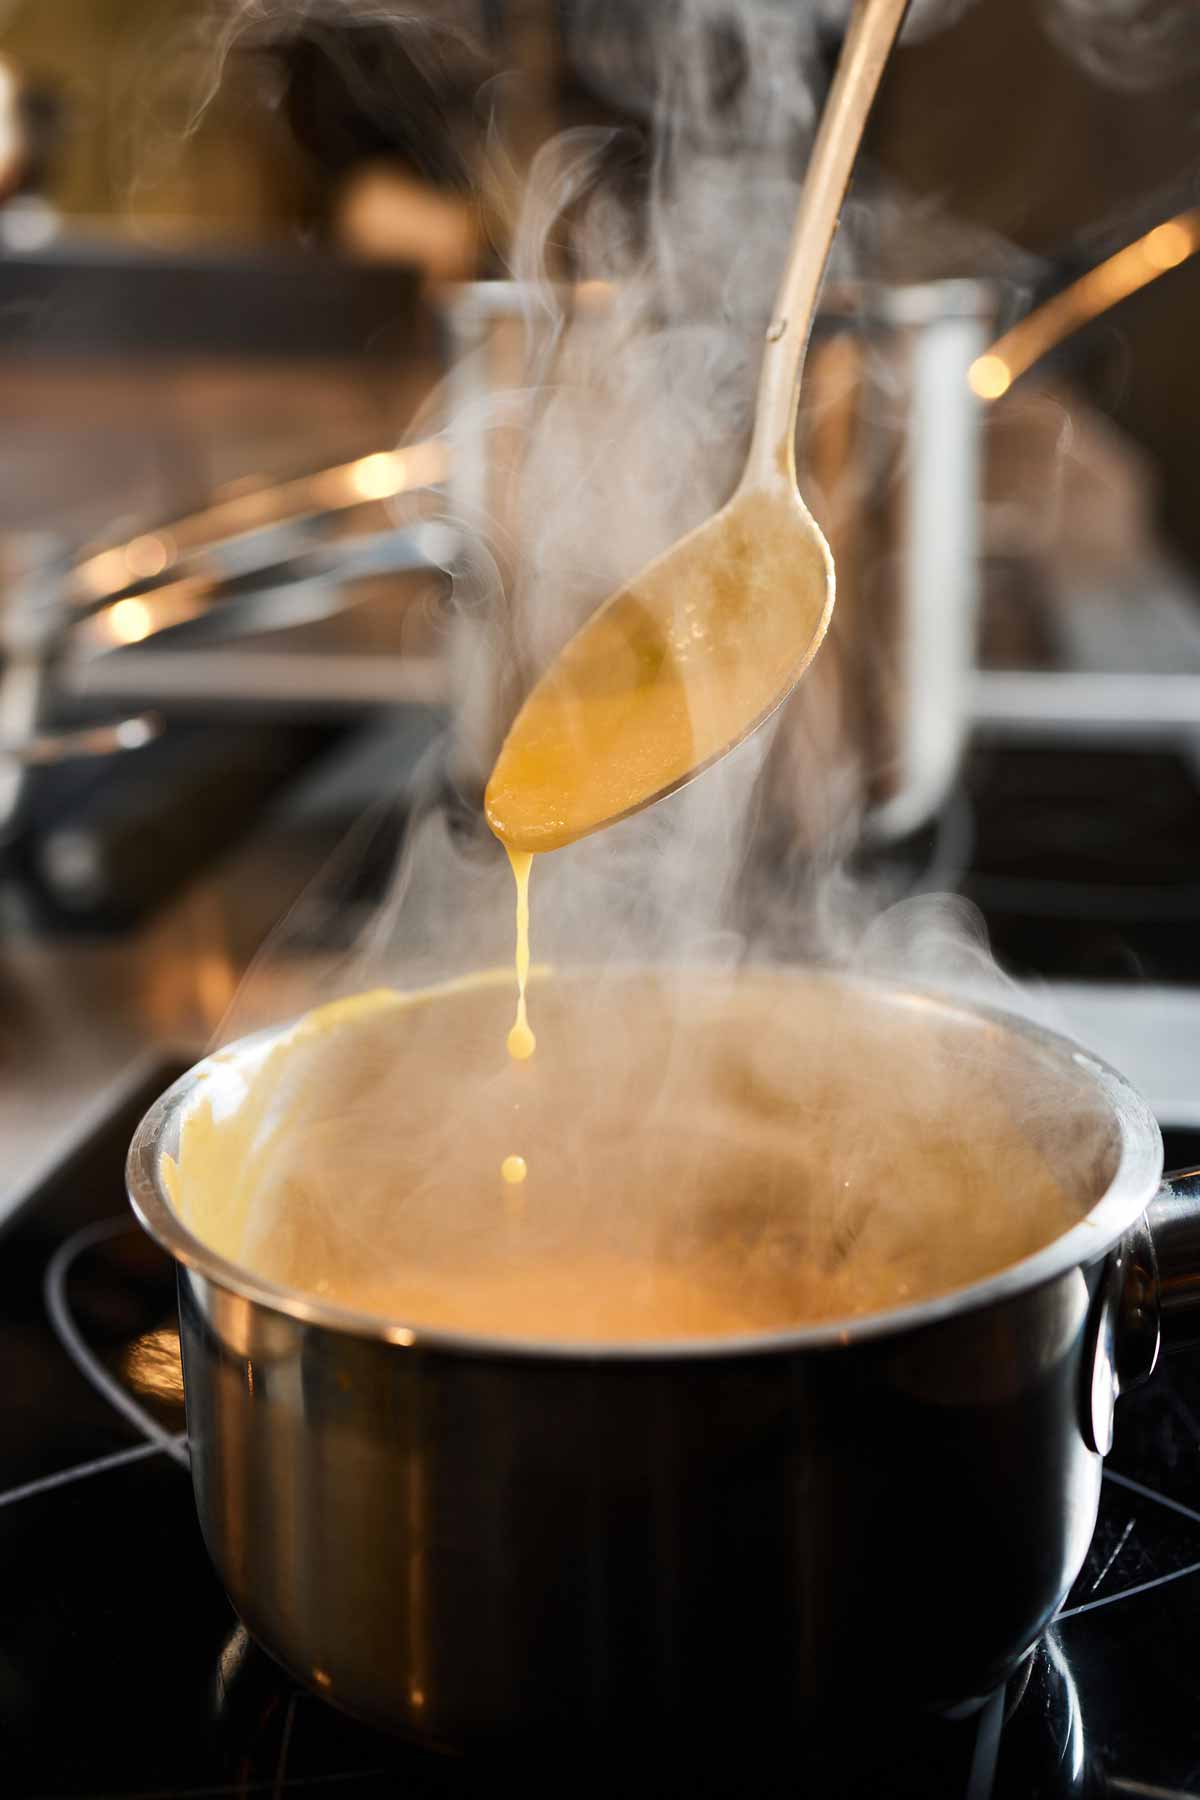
1135	1180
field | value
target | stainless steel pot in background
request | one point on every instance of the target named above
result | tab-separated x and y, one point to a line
892	431
890	449
491	1543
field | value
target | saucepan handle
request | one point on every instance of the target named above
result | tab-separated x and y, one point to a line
1148	1300
1173	1223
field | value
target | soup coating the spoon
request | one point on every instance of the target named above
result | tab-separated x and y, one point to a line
667	676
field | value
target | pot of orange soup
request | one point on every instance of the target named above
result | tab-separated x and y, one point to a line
786	1370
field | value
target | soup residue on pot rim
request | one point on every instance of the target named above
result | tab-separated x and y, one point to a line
707	1153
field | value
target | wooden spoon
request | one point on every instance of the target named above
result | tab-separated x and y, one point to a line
676	668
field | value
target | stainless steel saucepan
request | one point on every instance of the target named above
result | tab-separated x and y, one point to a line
485	1543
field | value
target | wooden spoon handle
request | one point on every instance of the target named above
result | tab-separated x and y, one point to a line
874	25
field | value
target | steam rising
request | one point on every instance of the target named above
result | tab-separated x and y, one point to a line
646	272
713	1156
1133	44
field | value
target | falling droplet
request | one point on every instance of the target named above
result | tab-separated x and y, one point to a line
521	1041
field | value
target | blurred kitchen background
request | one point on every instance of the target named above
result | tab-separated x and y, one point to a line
241	250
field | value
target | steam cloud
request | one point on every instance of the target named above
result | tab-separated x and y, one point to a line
631	417
1132	44
646	272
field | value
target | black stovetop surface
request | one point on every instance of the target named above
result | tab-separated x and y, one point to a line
124	1671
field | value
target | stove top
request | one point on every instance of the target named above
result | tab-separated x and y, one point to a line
124	1671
